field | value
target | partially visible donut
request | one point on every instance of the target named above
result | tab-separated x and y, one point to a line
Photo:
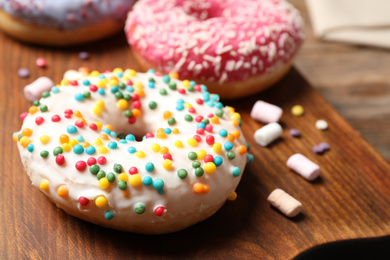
62	22
187	164
235	47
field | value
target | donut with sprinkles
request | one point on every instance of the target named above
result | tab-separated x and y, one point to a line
236	48
139	152
62	22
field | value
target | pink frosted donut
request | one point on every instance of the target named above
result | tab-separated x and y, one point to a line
236	48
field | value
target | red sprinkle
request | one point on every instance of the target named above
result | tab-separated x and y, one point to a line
93	88
137	104
198	119
55	118
69	111
132	119
81	165
23	115
41	62
181	91
134	97
149	135
79	123
197	88
133	170
68	116
129	82
199	101
200	131
209	128
101	160
83	201
167	156
93	126
39	120
60	159
197	138
192	110
91	161
74	83
210	140
208	158
210	115
159	211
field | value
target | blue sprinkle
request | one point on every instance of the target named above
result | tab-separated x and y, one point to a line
158	184
210	103
179	107
123	141
200	125
223	132
86	82
55	90
166	79
180	101
236	171
206	96
131	149
120	74
143	137
130	137
149	167
102	76
106	131
30	148
113	134
101	91
151	84
112	145
167	131
218	160
203	88
151	71
192	83
109	215
147	180
90	150
78	149
161	192
114	89
79	97
228	146
130	89
71	129
219	105
80	138
249	157
215	97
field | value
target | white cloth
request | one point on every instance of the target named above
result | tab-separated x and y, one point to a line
364	22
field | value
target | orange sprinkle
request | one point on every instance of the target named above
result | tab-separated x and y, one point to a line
103	136
85	144
62	191
215	120
136	112
175	131
84	70
206	188
15	138
236	133
109	127
241	149
230	137
164	150
174	75
198	188
27	132
64	139
161	135
236	122
77	113
167	114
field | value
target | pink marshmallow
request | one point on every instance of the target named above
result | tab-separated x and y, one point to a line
303	166
284	202
34	90
266	112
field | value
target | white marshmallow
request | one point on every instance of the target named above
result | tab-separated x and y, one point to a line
72	75
266	112
34	90
284	202
268	133
303	166
321	124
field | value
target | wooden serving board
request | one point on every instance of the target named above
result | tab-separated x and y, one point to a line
351	199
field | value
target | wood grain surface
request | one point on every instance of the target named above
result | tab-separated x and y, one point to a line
350	200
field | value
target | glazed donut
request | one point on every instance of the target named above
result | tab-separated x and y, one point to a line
62	22
179	156
236	48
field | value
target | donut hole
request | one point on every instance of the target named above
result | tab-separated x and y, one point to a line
200	9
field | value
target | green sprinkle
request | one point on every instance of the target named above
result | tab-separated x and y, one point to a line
118	95
163	92
57	151
152	80
43	108
44	154
122	85
101	174
46	94
199	171
152	104
188	118
196	164
205	121
36	103
182	173
87	94
126	97
191	89
230	155
219	113
139	208
118	168
172	85
122	185
192	156
171	121
128	113
94	169
111	177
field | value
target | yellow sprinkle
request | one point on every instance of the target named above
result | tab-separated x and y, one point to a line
161	135
138	84
236	116
122	104
102	83
44	185
178	144
27	132
132	73
187	105
232	196
167	164
297	110
164	149
155	147
102	150
62	191
104	183
113	82
97	110
140	154
98	142
214	120
123	177
100	103
174	75
25	141
210	167
101	201
201	154
99	125
32	110
217	147
186	83
135	180
73	142
65	82
66	147
192	142
116	70
95	73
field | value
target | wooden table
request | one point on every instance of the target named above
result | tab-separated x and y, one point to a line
350	200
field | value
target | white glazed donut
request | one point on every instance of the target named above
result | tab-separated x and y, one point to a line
190	159
62	22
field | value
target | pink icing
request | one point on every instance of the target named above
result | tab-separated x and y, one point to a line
215	40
